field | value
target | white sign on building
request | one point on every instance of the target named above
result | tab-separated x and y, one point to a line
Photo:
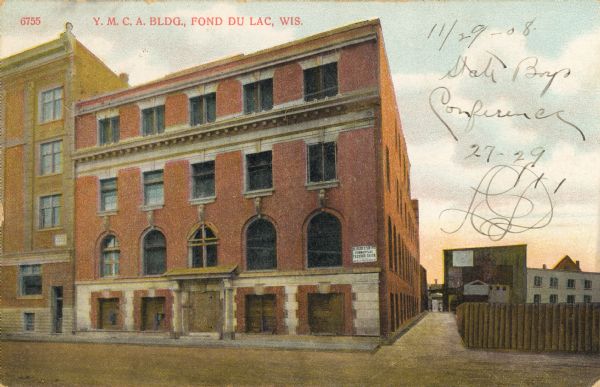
60	240
364	254
462	258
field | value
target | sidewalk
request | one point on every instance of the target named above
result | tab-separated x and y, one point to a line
295	342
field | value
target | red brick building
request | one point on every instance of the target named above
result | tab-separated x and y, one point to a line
260	193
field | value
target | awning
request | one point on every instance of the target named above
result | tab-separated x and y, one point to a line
227	271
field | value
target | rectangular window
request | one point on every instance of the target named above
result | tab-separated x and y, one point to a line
536	298
109	130
553	299
258	96
259	171
387	167
50	157
570	299
49	211
570	284
153	188
553	282
537	281
587	299
108	194
203	109
587	284
203	179
51	105
29	322
153	120
321	162
320	82
30	280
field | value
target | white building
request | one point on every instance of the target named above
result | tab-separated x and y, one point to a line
565	282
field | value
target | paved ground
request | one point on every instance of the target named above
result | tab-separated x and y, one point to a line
430	354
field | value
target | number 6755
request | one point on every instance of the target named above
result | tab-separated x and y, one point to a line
31	21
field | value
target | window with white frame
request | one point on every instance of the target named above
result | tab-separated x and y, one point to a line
321	162
570	283
570	299
108	194
49	211
108	130
153	188
203	109
153	120
51	105
537	281
553	282
553	299
587	284
203	180
110	256
30	280
537	298
50	157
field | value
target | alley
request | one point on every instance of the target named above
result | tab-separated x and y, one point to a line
430	354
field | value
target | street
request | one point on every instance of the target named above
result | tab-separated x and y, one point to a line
430	354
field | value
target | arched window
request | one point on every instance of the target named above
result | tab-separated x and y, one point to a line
324	237
203	247
109	265
261	240
155	253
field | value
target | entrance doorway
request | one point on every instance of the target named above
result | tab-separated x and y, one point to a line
260	314
57	309
204	312
326	313
153	314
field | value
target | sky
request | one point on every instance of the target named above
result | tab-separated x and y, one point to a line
499	102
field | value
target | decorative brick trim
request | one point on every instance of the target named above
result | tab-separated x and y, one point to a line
302	298
240	302
95	299
137	307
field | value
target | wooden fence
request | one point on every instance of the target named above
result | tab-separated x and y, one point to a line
530	327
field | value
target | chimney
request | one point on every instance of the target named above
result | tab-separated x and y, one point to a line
435	281
124	77
577	264
544	266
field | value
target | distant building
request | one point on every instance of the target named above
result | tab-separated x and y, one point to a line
485	274
435	294
565	282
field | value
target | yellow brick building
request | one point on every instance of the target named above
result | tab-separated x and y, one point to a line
39	88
